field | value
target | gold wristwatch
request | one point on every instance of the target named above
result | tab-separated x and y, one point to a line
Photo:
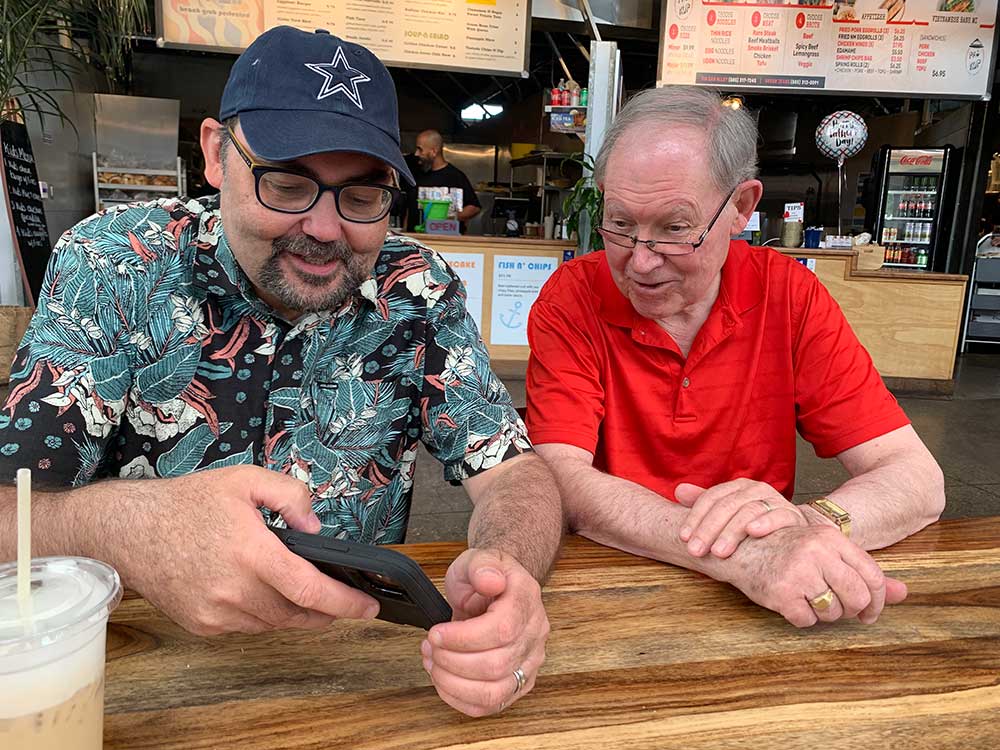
834	512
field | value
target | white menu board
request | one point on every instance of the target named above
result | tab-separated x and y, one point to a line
894	47
475	35
517	280
469	267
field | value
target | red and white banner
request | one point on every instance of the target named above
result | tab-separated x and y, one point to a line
894	47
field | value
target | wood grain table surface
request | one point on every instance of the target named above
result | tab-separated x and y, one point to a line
642	655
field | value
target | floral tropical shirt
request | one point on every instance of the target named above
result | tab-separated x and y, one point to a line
150	356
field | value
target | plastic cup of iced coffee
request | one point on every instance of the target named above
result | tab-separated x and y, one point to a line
52	654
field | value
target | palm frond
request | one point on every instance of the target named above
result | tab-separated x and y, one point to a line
62	38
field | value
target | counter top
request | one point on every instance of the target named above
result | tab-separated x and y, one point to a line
902	273
881	273
480	239
818	252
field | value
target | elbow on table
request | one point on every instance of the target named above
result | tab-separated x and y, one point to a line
574	512
936	494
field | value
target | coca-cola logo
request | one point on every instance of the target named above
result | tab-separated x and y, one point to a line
915	161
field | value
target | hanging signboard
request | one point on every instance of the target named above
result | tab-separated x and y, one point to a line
463	35
23	205
886	47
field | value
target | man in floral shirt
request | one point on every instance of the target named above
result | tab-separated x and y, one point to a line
275	348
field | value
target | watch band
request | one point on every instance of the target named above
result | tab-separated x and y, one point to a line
826	507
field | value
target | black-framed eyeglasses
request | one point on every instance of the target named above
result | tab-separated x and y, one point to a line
684	244
291	192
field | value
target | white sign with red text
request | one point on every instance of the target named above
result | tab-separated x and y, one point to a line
900	47
914	161
469	267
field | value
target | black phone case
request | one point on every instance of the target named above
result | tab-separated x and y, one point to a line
404	591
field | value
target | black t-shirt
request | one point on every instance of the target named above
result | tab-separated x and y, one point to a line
448	176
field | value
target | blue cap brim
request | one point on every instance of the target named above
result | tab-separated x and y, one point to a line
284	135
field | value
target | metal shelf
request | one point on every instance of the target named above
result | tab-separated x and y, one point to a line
116	193
134	170
538	160
911	192
563	107
138	188
982	326
908	218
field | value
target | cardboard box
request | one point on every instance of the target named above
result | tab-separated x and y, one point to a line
870	257
13	323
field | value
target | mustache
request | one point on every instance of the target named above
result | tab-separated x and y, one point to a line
311	250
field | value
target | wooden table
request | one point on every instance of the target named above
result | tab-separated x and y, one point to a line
642	655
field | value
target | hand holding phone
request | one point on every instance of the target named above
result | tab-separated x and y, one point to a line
404	592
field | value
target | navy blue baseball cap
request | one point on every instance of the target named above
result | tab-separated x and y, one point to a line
299	93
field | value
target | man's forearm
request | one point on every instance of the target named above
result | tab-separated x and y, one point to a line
468	212
622	514
87	522
890	502
57	525
520	513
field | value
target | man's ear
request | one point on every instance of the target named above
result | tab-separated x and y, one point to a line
746	198
211	142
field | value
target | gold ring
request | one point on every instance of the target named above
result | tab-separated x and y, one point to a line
767	505
822	602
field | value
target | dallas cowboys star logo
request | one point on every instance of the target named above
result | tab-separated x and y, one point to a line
349	78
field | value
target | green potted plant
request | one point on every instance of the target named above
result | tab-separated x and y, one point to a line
583	208
45	41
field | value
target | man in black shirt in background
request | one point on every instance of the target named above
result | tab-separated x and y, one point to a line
433	171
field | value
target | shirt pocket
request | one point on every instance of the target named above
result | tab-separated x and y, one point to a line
357	424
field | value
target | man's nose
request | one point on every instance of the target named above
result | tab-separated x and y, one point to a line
323	222
644	260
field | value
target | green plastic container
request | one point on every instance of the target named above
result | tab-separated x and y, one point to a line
434	209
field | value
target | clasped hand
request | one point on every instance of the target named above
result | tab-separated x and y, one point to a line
786	563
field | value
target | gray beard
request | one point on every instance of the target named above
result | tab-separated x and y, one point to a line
274	280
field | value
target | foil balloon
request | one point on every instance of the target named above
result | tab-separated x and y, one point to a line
841	135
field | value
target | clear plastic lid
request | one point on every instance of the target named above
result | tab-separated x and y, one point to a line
68	595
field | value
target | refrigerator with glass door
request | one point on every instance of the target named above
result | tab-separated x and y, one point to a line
911	215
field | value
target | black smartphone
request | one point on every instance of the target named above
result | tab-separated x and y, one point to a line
403	590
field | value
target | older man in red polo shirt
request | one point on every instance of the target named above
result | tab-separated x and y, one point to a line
678	364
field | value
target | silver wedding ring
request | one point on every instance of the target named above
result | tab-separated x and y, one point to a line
767	505
519	680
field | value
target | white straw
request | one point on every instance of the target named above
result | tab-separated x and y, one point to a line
24	542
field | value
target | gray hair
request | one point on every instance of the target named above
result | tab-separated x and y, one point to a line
731	134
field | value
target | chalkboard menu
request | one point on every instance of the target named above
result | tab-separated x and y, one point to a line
24	201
